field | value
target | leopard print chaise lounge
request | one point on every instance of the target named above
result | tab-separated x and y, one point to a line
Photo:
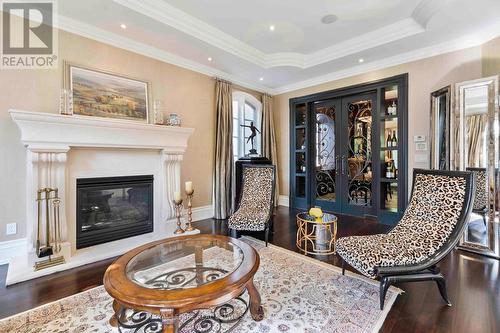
427	223
481	197
256	199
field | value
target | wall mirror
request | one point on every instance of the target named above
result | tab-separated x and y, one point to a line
440	129
475	147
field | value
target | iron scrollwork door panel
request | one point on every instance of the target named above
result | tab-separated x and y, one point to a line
326	159
357	154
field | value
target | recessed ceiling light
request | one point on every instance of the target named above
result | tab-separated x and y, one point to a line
261	79
272	27
328	19
209	59
123	26
361	60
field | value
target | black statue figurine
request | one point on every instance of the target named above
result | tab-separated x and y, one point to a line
252	136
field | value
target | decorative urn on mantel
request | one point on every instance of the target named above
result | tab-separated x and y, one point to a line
54	142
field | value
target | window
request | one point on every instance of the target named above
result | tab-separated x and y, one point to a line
246	109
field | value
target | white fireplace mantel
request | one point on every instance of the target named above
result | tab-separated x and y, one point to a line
49	139
43	130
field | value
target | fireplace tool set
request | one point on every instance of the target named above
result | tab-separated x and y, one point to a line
48	203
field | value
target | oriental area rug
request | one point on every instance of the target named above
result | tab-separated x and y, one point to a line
299	294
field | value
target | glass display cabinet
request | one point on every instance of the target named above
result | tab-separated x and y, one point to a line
348	150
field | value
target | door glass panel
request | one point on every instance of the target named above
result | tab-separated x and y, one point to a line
300	141
389	134
300	115
389	197
325	153
300	186
390	102
300	162
359	155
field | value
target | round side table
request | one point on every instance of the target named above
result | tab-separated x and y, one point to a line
316	236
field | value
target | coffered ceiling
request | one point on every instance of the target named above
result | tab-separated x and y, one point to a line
282	45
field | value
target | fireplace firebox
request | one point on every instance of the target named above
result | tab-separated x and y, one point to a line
112	208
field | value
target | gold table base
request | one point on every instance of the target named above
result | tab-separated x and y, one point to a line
307	239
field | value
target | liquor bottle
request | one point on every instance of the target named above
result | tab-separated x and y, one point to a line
394	142
393	170
388	170
394	108
389	140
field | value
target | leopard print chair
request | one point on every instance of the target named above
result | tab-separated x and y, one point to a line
481	204
431	226
257	200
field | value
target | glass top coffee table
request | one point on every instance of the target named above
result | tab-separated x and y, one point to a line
153	285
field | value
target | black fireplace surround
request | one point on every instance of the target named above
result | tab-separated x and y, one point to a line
112	208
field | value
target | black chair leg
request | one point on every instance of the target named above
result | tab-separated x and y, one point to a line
384	285
267	235
234	233
343	266
441	283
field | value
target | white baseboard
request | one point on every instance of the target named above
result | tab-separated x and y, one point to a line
203	212
12	248
283	201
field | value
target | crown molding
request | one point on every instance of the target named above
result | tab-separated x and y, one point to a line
103	36
119	41
467	41
169	15
426	9
387	34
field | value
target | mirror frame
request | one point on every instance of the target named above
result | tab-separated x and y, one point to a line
493	247
434	149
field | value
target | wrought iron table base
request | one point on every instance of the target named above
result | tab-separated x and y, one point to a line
222	318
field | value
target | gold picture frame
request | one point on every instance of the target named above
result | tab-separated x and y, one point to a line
97	93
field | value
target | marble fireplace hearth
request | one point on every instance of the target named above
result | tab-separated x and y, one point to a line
61	149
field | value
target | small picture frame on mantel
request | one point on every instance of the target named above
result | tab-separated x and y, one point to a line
96	93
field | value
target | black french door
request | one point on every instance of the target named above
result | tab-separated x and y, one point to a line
326	165
342	157
348	150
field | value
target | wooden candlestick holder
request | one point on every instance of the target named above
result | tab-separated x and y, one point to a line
189	227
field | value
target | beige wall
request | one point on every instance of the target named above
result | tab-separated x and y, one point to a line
491	57
185	92
425	76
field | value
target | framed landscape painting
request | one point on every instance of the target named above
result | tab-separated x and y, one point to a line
106	95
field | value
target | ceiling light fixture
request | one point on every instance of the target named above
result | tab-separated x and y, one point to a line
272	27
361	60
123	26
261	79
209	59
328	19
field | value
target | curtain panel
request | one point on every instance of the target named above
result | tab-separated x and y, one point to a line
223	189
269	138
476	142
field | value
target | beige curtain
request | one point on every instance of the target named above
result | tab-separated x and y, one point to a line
269	138
223	192
476	126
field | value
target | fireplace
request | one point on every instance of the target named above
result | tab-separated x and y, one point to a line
113	208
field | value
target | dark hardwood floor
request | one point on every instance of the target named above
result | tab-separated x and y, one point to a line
473	284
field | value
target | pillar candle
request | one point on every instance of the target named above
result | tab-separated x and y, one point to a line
189	187
177	196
